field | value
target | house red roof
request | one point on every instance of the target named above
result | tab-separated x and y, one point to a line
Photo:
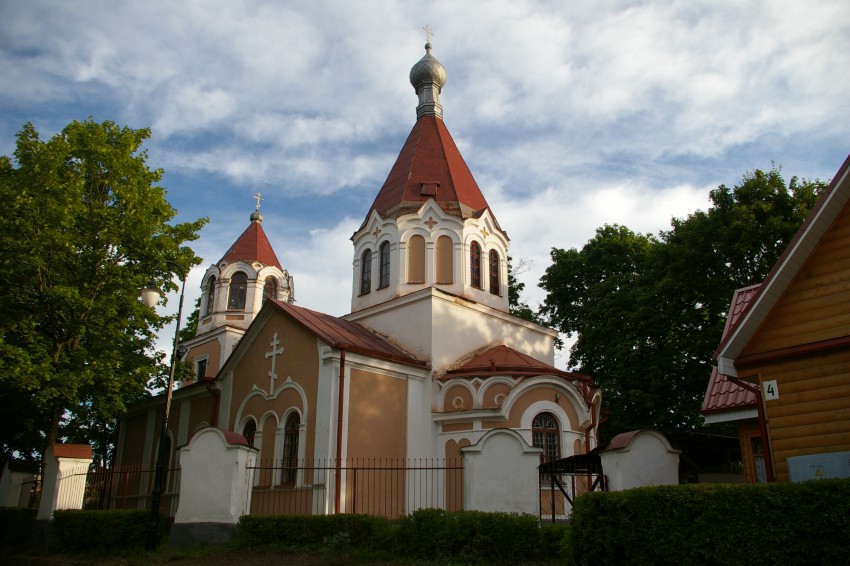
429	166
252	245
344	334
722	394
502	360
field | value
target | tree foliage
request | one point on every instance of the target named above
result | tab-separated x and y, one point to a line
648	312
84	227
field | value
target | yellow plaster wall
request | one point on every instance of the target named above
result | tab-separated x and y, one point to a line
377	416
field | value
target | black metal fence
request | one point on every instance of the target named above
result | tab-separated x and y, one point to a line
562	481
126	487
378	486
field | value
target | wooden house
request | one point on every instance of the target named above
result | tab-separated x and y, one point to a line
786	354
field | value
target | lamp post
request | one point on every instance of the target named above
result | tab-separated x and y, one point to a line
150	295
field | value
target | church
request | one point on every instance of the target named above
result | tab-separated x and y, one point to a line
428	363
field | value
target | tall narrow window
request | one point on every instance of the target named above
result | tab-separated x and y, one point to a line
210	296
416	259
545	434
385	265
445	261
366	272
494	272
475	264
238	291
290	448
250	431
201	370
270	289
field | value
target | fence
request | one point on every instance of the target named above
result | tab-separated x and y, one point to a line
562	481
387	487
126	487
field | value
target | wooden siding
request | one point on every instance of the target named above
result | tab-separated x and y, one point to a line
816	306
812	413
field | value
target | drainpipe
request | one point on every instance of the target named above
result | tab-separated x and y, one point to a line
342	347
768	458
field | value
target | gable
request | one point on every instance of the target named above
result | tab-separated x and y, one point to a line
814	307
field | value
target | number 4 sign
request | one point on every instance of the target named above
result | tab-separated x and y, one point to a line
771	390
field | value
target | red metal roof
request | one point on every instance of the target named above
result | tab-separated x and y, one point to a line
252	245
722	394
429	166
502	360
344	334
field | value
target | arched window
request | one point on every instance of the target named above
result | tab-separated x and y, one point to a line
475	264
545	434
494	272
250	431
366	272
210	296
270	289
445	261
290	448
416	259
238	291
384	254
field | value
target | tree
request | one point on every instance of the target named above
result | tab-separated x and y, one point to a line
648	312
517	306
84	227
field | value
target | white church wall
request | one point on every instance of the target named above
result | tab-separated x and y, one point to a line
500	473
648	459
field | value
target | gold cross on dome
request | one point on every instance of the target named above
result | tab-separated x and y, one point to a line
484	233
428	32
259	197
430	222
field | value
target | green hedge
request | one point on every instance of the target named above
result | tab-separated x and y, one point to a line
97	531
800	523
15	528
432	534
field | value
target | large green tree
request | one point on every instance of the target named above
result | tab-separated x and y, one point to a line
84	226
647	312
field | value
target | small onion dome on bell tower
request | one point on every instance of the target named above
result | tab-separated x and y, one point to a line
428	77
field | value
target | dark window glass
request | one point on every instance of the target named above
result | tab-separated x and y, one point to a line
249	432
494	272
475	264
210	295
270	289
385	265
290	448
545	434
366	272
238	291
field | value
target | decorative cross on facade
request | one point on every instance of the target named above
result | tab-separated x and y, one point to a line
259	197
377	232
273	354
430	222
428	32
484	233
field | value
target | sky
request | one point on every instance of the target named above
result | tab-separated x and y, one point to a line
570	115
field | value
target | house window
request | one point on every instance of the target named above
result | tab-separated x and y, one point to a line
494	272
366	272
201	369
210	295
475	264
238	291
759	466
290	448
270	289
545	434
250	431
385	265
416	259
445	261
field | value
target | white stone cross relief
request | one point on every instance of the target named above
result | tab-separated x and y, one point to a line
273	354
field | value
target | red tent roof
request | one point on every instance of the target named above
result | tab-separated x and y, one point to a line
252	245
429	166
502	360
722	394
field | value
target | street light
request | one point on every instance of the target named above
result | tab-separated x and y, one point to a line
150	296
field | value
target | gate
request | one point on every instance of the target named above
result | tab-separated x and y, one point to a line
561	481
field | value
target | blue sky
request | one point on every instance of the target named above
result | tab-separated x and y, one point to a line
570	114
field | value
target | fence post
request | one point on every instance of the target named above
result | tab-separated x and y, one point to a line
64	485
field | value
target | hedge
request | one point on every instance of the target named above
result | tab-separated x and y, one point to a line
800	523
97	531
15	528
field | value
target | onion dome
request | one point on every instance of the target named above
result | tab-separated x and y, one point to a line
428	77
